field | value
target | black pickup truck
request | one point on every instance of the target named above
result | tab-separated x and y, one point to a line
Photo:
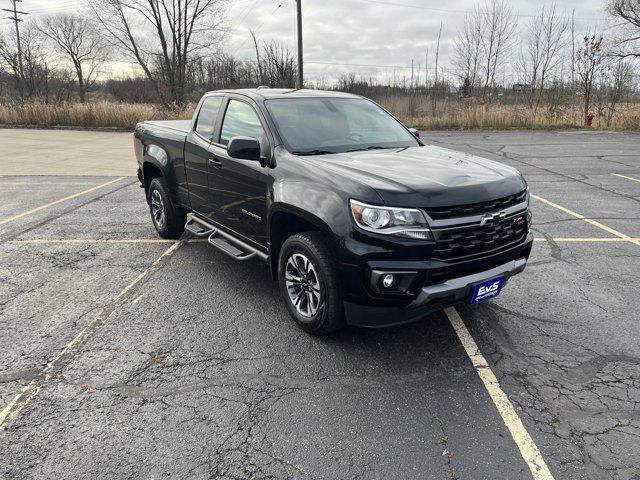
360	221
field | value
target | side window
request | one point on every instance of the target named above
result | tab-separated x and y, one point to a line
207	116
240	120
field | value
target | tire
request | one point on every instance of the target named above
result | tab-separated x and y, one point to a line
318	286
166	217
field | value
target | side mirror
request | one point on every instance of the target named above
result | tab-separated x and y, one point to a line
415	132
244	148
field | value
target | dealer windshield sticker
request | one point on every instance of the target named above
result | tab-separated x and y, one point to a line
489	289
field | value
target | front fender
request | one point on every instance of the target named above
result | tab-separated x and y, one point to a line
325	208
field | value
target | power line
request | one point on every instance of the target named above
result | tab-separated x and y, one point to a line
241	17
64	5
445	10
260	26
367	65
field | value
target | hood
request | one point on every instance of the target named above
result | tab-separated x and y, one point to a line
427	176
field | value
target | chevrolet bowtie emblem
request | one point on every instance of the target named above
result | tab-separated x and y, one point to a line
492	217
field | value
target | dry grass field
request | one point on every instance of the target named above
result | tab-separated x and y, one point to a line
419	113
413	111
88	115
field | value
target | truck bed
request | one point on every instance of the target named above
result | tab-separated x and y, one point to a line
181	126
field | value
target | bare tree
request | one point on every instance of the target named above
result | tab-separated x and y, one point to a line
628	45
161	36
617	81
484	43
497	37
546	37
467	52
589	58
75	38
31	75
258	62
281	65
9	58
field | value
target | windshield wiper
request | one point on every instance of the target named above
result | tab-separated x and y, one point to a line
371	147
313	152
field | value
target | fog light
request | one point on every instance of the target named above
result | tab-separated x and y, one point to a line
387	280
392	282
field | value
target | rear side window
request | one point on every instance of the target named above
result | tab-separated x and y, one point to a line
207	116
240	121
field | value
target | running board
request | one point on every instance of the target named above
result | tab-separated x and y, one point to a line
227	243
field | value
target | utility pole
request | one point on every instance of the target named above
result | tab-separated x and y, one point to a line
426	70
435	81
300	71
17	21
573	49
411	84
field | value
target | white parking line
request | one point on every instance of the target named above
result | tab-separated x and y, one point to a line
70	197
584	240
528	449
21	400
46	241
54	241
628	178
588	220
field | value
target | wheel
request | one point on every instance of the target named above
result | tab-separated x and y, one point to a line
168	219
309	283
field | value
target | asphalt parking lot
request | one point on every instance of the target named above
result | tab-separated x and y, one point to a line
140	358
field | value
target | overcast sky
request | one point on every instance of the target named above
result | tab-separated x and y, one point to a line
357	32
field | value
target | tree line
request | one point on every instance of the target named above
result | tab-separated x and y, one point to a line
179	48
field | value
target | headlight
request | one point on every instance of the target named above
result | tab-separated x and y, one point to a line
399	222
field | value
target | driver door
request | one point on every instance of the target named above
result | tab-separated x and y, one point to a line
238	189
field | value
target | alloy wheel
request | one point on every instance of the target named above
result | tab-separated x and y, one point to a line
157	209
303	285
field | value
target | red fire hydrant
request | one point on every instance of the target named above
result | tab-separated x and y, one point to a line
588	120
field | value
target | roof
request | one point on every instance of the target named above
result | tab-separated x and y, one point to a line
265	93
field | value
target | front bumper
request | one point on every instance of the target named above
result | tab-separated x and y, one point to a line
430	299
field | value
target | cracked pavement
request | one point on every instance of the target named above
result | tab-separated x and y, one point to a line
563	339
201	374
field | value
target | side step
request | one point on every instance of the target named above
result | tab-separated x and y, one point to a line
227	243
196	228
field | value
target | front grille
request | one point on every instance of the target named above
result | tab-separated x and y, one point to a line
476	240
462	269
439	213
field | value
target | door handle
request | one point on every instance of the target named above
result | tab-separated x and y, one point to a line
215	162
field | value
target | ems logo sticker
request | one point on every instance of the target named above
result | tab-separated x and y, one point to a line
488	289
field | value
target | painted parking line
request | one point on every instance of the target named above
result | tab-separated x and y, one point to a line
585	240
55	241
628	178
21	400
528	449
70	197
595	223
88	240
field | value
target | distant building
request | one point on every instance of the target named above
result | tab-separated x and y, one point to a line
522	87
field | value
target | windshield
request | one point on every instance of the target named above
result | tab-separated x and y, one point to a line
332	125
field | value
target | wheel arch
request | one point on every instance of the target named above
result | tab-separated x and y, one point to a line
155	163
150	171
285	221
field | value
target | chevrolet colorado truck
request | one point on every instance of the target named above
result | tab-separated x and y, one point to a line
359	220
